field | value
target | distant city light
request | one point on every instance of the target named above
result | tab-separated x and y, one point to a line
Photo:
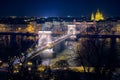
68	16
45	17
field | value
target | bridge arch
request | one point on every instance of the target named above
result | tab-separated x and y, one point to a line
72	31
44	38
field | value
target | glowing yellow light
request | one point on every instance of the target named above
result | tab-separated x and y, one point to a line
41	68
82	69
92	17
15	71
30	28
30	63
20	64
16	67
98	16
19	29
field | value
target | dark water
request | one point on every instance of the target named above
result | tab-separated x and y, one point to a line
3	76
10	48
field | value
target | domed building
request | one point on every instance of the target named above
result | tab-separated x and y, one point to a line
97	17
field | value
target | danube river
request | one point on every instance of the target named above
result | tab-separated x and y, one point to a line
80	52
65	49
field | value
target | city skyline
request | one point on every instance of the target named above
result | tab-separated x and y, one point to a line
59	40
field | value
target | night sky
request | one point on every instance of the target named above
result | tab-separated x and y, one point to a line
58	7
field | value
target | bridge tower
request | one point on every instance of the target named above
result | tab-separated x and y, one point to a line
45	39
72	30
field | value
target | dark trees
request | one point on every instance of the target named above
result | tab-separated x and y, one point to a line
95	53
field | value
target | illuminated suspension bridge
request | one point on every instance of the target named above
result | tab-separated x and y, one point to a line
46	43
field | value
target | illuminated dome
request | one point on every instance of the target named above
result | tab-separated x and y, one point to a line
97	17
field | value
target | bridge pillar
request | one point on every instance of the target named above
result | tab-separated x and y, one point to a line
45	39
72	30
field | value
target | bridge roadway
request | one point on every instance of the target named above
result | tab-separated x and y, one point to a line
47	46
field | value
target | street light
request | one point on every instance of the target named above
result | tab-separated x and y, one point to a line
29	64
0	61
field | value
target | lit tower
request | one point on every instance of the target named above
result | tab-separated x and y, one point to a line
92	17
72	30
45	39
